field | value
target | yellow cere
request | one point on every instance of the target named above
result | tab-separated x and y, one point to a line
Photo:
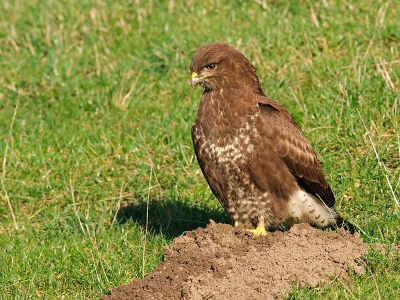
194	75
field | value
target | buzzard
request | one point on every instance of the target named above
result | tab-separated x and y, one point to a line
254	156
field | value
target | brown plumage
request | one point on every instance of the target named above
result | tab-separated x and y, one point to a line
253	154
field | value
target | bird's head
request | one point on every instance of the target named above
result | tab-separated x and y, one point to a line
218	65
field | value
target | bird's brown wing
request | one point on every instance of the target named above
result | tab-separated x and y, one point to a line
284	135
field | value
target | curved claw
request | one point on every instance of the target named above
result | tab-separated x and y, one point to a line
260	230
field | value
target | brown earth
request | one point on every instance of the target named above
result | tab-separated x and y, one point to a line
222	262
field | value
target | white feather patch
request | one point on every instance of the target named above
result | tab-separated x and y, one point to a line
304	207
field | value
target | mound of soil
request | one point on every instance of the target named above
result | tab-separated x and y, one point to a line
223	262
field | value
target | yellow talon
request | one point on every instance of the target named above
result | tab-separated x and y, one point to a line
260	230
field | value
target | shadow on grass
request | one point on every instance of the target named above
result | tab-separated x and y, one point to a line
170	218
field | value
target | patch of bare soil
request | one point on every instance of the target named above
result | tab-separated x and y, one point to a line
223	262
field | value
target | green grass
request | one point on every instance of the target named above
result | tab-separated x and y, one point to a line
95	115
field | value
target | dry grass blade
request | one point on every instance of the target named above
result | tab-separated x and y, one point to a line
123	102
71	184
380	163
147	220
374	279
385	75
119	203
9	204
151	160
3	173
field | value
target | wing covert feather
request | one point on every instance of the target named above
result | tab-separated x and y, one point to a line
289	142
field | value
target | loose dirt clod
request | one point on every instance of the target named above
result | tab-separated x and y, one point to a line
222	262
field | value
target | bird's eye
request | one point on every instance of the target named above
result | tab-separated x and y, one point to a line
211	67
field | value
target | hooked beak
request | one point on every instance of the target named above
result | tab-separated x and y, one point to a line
194	80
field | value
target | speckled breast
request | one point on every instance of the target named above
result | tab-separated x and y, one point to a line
225	141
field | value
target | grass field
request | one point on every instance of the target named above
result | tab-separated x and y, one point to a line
97	168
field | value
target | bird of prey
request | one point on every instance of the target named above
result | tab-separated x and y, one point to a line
254	156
